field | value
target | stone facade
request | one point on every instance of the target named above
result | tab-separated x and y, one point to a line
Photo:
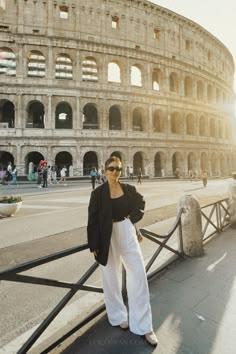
83	79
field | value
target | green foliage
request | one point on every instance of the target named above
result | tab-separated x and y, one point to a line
10	199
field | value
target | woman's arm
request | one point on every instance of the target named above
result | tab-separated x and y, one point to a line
93	233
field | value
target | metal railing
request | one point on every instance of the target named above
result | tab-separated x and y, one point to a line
215	218
13	274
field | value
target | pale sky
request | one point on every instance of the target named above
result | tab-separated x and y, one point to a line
217	16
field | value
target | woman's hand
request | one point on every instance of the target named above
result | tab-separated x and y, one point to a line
95	253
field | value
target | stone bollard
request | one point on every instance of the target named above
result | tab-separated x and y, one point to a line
191	221
232	201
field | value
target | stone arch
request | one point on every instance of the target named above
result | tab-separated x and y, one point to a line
204	161
159	164
200	90
63	116
114	118
156	79
203	126
138	119
90	160
221	132
214	164
190	124
114	72
192	161
177	163
174	82
223	165
7	113
158	121
36	64
138	162
7	61
176	123
89	69
63	67
209	93
188	87
33	157
90	116
35	115
212	128
64	158
5	157
136	75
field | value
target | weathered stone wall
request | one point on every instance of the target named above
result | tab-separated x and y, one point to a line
203	96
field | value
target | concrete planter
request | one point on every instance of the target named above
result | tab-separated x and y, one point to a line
9	209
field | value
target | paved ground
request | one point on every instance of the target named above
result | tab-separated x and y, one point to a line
64	209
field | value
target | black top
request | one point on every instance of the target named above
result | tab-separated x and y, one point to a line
120	207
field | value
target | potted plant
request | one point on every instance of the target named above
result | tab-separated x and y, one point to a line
10	205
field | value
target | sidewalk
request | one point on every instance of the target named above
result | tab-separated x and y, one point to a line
193	304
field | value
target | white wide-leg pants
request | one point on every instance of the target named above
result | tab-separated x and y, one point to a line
124	245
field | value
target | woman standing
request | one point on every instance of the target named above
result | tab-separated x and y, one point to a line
113	209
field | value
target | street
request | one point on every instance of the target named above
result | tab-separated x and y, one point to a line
55	218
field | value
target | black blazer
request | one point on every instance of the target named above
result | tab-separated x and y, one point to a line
99	227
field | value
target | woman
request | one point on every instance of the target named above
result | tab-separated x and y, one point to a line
113	209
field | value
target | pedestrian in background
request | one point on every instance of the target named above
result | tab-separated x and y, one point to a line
63	174
13	175
93	175
45	175
139	175
204	178
131	173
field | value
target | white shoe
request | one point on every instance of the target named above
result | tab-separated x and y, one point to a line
124	325
151	338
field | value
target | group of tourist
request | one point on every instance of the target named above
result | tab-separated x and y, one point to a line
8	174
46	174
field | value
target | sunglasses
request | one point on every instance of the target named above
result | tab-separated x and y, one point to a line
112	168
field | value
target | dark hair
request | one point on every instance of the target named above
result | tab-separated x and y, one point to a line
110	160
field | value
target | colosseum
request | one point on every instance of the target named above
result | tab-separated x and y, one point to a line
81	80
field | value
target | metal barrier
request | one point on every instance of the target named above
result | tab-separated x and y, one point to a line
215	218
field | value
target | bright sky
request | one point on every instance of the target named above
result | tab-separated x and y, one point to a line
216	16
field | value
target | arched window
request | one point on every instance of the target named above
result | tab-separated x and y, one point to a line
158	121
35	117
188	87
64	116
175	123
7	62
114	72
212	128
90	116
136	76
7	114
156	79
218	96
173	80
209	93
89	69
200	92
63	67
190	124
203	126
36	64
90	160
114	118
138	119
